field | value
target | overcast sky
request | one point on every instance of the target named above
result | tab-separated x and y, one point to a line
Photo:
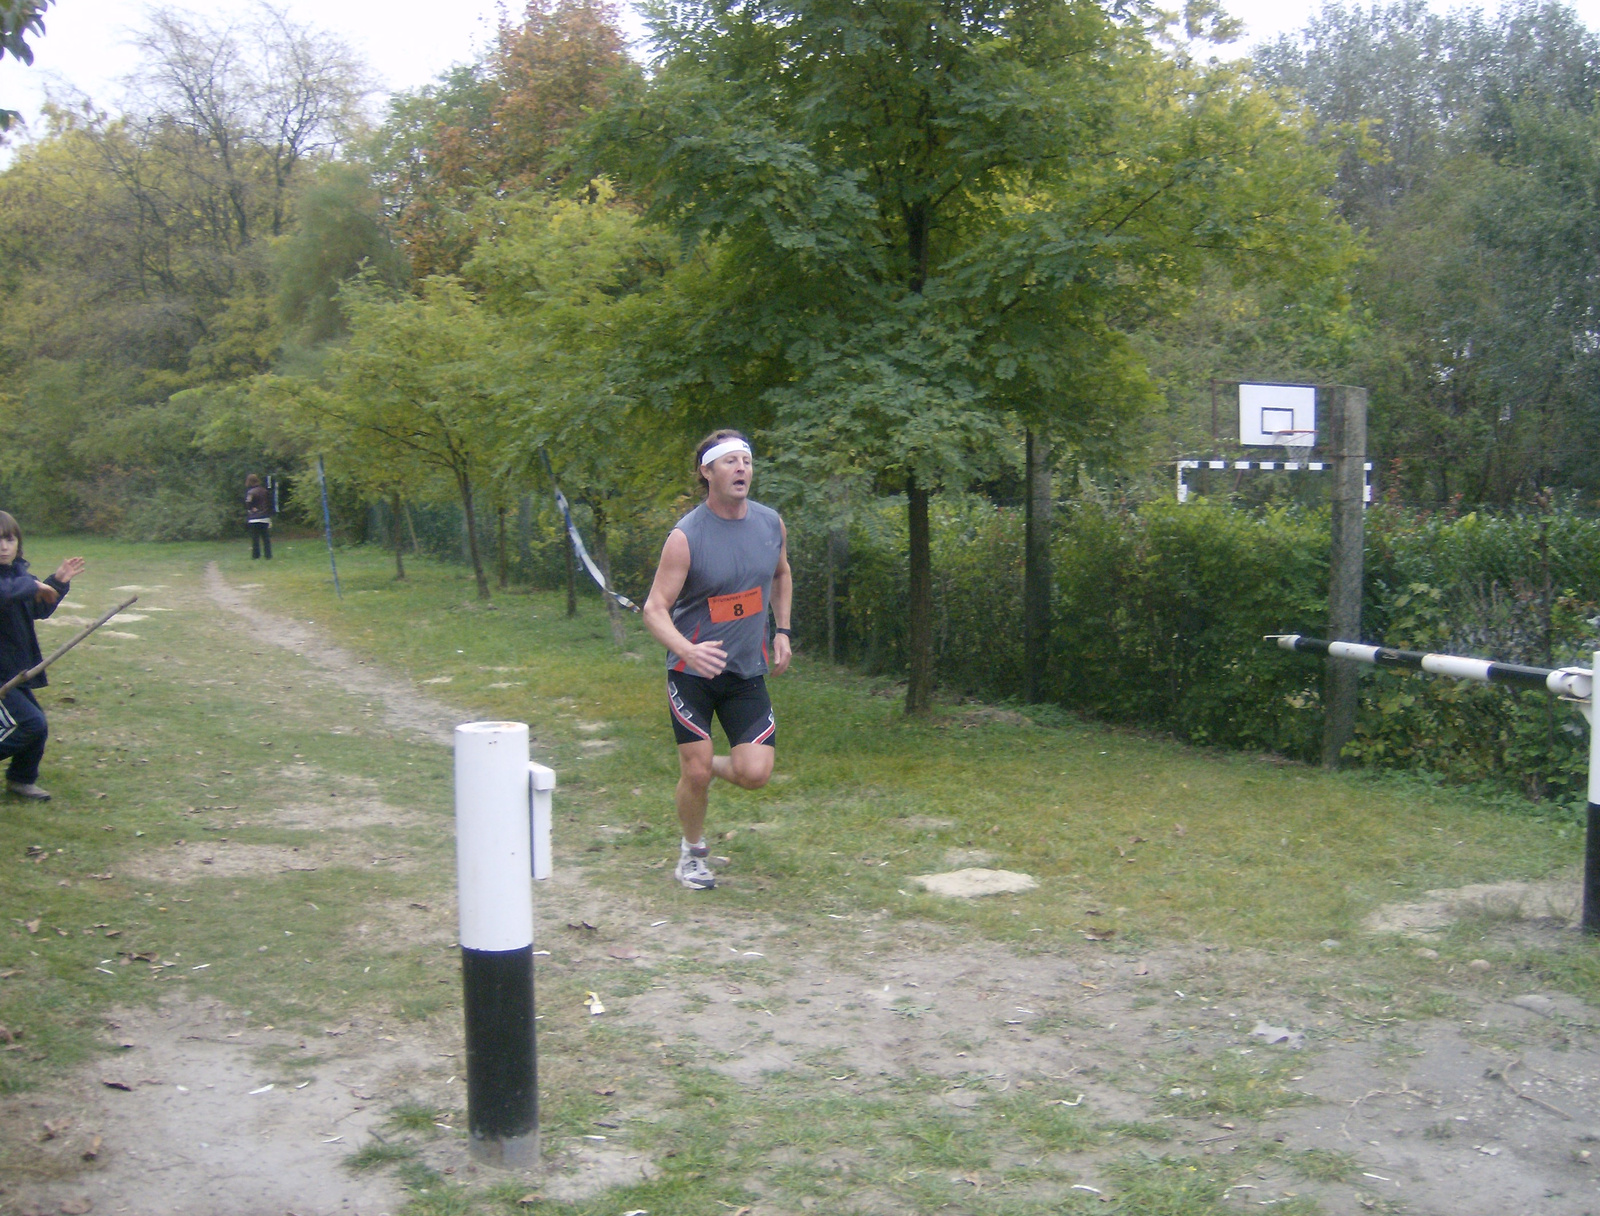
405	41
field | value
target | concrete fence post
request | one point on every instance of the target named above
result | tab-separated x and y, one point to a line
1347	448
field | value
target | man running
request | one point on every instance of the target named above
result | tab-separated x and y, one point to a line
723	567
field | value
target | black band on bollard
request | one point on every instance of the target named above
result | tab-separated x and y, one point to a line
502	1060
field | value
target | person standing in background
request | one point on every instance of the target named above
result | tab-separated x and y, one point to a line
258	517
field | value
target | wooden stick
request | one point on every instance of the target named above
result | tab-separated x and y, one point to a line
23	676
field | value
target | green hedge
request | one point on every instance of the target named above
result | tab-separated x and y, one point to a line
1159	615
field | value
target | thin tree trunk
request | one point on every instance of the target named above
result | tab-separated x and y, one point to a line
525	532
1036	573
504	578
394	535
919	623
833	633
602	558
411	527
838	548
572	572
465	484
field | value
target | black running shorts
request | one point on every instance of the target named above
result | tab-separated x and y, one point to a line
742	706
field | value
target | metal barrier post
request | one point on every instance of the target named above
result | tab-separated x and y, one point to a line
1572	684
494	872
1591	839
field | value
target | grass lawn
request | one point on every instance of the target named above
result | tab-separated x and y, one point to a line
192	731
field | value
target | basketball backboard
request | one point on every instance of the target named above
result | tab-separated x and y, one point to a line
1277	415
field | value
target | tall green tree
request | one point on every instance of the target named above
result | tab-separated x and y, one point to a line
407	399
926	220
1472	186
574	280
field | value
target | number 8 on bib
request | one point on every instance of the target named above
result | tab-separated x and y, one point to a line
735	607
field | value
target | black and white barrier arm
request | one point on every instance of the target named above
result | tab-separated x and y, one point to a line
502	845
1575	684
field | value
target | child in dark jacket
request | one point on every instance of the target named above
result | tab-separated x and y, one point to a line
23	600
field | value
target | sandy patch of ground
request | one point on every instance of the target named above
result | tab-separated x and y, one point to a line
198	1133
189	860
429	919
1555	904
971	883
345	813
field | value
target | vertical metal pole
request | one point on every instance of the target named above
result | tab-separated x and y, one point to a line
495	860
327	526
1036	569
1591	840
1347	433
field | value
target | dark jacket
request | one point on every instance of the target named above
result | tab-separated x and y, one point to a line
257	504
19	645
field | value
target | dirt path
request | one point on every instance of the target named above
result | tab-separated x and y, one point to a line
406	708
185	1118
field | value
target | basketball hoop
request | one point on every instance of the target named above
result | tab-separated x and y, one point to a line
1290	440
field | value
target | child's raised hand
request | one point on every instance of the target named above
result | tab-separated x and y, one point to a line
69	569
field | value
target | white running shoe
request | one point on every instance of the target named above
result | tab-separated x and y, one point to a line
692	870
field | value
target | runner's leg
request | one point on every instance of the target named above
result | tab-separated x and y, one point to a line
748	765
746	714
694	777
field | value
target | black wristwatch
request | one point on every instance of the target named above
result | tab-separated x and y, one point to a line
785	630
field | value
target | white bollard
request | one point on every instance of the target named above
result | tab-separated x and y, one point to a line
495	862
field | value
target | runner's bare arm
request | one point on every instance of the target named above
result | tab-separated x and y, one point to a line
782	602
704	658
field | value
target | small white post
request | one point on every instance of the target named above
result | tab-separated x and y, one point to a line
494	873
541	783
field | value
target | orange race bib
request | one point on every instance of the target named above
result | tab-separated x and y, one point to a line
735	607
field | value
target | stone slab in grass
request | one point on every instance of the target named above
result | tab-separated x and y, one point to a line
964	884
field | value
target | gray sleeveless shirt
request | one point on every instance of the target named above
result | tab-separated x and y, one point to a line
729	589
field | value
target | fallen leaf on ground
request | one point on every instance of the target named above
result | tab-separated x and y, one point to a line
623	952
32	926
54	1127
76	1207
531	1198
93	1149
122	1085
596	1008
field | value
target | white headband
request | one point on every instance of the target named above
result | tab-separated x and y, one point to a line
723	448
